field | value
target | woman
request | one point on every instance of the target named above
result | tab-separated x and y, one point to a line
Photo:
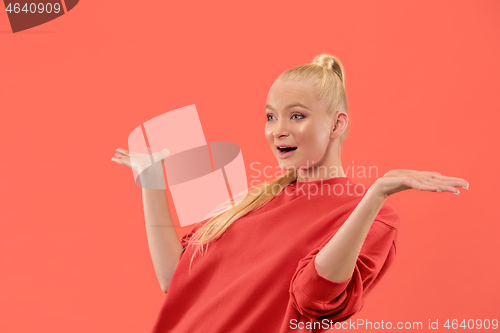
303	250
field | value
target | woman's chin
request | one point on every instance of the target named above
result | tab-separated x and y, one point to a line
286	165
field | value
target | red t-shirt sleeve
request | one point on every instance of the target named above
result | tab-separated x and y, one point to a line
317	297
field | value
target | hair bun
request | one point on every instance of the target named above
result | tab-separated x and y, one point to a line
332	63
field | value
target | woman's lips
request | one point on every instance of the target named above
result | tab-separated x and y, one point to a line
287	154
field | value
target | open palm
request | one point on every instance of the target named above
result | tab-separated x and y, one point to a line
399	180
149	167
138	161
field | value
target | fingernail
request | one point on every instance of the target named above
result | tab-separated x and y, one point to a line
457	192
439	191
466	187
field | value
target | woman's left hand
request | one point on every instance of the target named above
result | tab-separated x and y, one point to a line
399	180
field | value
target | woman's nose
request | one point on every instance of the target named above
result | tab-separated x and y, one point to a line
281	129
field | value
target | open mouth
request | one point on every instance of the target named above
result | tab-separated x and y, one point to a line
286	150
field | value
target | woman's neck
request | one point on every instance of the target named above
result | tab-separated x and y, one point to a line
319	173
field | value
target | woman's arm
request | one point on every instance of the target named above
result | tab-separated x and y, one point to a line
164	244
337	259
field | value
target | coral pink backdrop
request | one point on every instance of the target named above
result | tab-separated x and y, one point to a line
422	84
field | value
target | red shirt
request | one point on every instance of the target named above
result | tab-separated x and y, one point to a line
259	275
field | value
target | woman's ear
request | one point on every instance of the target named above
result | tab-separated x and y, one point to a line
340	118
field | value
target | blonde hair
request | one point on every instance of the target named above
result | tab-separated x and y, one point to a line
327	76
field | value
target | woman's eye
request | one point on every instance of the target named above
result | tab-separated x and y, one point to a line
293	115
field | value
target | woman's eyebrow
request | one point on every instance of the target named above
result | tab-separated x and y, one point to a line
289	106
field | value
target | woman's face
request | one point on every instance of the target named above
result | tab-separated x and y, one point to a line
296	118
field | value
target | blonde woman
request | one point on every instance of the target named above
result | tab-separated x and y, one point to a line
299	253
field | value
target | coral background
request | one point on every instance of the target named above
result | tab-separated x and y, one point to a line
422	85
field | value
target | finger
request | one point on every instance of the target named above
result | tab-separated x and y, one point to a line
424	185
456	182
116	160
452	181
123	151
441	186
120	155
128	153
122	161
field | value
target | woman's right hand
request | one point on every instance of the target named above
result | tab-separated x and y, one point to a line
149	167
138	161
